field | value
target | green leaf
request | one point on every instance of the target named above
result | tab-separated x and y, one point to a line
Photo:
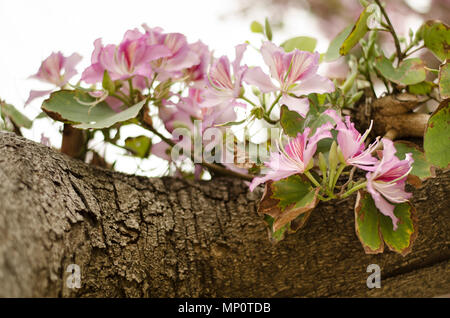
69	106
436	37
357	33
140	146
268	29
285	200
319	121
295	196
422	88
17	117
106	122
291	122
256	27
411	71
437	136
332	53
444	80
41	115
302	43
367	224
402	239
65	106
324	145
291	191
374	228
420	167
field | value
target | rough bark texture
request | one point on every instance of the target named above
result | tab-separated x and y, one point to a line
134	237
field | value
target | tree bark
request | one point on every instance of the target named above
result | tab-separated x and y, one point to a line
166	237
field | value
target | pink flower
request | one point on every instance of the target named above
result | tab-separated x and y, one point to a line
51	71
223	88
181	54
296	74
295	157
197	73
161	150
351	143
189	109
45	140
387	181
131	57
181	114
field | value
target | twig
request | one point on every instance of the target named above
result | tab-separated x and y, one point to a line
350	179
392	31
414	51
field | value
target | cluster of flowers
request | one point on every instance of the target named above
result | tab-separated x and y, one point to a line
213	87
386	177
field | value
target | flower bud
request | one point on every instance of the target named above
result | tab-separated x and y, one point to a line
322	163
256	91
107	83
355	97
333	156
341	156
310	165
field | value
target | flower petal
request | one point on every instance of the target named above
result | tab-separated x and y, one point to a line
273	175
36	94
273	57
255	76
299	105
160	150
69	66
240	49
314	84
385	207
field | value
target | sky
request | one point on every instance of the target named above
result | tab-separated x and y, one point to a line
31	30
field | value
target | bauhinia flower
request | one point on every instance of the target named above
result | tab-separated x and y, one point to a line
196	74
188	109
183	113
387	182
296	74
131	57
295	157
182	55
57	70
351	143
222	86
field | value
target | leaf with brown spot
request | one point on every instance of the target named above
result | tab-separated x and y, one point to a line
374	229
286	199
300	221
307	204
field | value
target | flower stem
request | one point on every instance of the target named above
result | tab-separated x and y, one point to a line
413	51
336	177
323	198
248	101
130	83
356	188
313	180
273	104
122	99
